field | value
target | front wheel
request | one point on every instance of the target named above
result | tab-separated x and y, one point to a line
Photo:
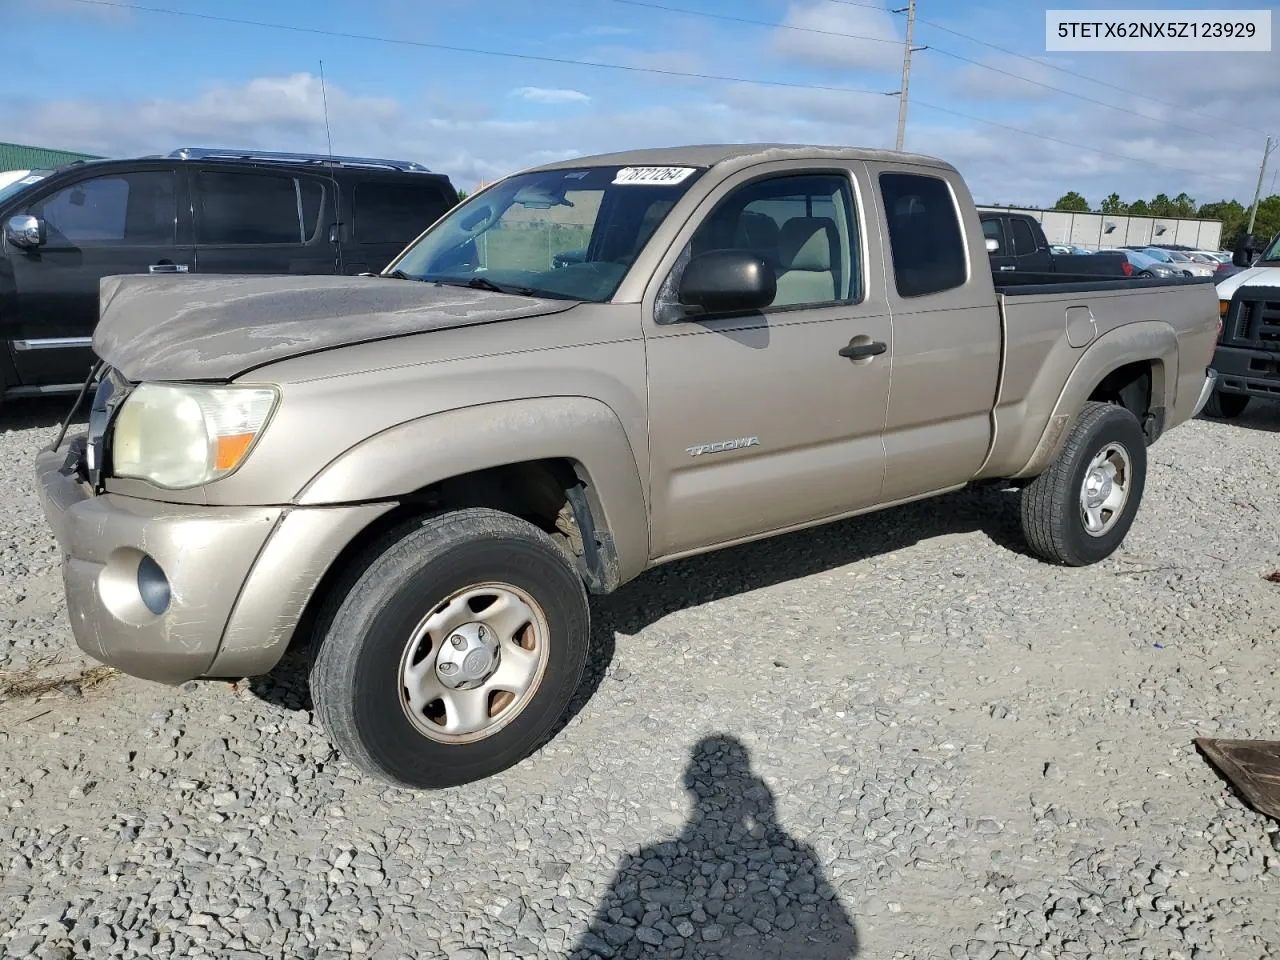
1078	511
454	653
1226	406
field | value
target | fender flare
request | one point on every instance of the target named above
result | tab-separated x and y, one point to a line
412	455
1147	341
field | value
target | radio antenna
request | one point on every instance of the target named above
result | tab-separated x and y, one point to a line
324	97
335	232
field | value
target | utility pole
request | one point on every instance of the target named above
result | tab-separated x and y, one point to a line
1257	193
906	71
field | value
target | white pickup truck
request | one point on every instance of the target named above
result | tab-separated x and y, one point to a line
1248	356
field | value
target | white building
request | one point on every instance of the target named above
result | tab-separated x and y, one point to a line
1115	230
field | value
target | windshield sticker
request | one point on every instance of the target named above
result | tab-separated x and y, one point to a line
659	176
31	179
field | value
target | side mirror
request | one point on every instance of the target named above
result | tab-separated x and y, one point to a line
728	281
992	245
24	231
1242	256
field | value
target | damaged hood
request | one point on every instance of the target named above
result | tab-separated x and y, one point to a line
215	328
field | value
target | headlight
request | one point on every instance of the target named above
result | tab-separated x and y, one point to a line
179	436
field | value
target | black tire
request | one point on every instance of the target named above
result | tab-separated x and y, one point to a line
355	677
1145	275
1226	406
1051	511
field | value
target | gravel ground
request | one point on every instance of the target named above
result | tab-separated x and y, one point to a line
894	737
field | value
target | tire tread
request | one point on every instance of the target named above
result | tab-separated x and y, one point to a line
400	553
1049	499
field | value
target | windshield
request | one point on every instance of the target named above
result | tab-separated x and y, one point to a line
569	233
1141	260
1160	255
9	189
1273	252
1177	257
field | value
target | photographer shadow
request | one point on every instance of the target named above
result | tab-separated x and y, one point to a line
733	883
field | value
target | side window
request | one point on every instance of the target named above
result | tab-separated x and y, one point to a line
994	230
802	226
924	234
1024	241
396	212
247	208
128	208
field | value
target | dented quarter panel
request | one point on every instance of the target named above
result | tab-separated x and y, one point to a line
1047	380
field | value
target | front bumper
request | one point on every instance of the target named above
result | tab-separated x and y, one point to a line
1255	373
1210	382
231	585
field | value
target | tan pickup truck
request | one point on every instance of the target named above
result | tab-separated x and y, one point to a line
586	369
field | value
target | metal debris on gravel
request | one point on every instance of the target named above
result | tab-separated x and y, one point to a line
895	737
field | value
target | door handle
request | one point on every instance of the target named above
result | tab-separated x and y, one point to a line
167	268
859	351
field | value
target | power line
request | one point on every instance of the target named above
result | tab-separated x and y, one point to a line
372	38
1051	66
946	53
453	48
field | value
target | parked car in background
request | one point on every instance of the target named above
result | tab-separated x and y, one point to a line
1248	354
1145	266
8	177
1016	242
196	211
1179	261
1213	256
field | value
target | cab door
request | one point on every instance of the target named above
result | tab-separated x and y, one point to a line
774	419
122	222
946	328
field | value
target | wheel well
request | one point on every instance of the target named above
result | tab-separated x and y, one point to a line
550	494
1132	387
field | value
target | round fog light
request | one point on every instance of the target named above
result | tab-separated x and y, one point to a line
153	586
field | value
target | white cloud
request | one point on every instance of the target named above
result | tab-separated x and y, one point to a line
481	143
829	35
550	95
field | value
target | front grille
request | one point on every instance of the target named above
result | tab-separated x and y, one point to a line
112	391
1254	319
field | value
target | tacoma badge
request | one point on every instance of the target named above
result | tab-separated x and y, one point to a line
721	446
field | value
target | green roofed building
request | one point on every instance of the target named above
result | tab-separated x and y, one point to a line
16	156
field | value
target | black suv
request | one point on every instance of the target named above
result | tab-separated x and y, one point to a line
194	211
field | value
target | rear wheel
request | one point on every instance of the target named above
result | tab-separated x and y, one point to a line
1079	510
1226	406
454	653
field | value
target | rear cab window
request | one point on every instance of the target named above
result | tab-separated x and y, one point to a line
396	213
925	238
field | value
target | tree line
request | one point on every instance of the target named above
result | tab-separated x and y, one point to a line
1234	216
